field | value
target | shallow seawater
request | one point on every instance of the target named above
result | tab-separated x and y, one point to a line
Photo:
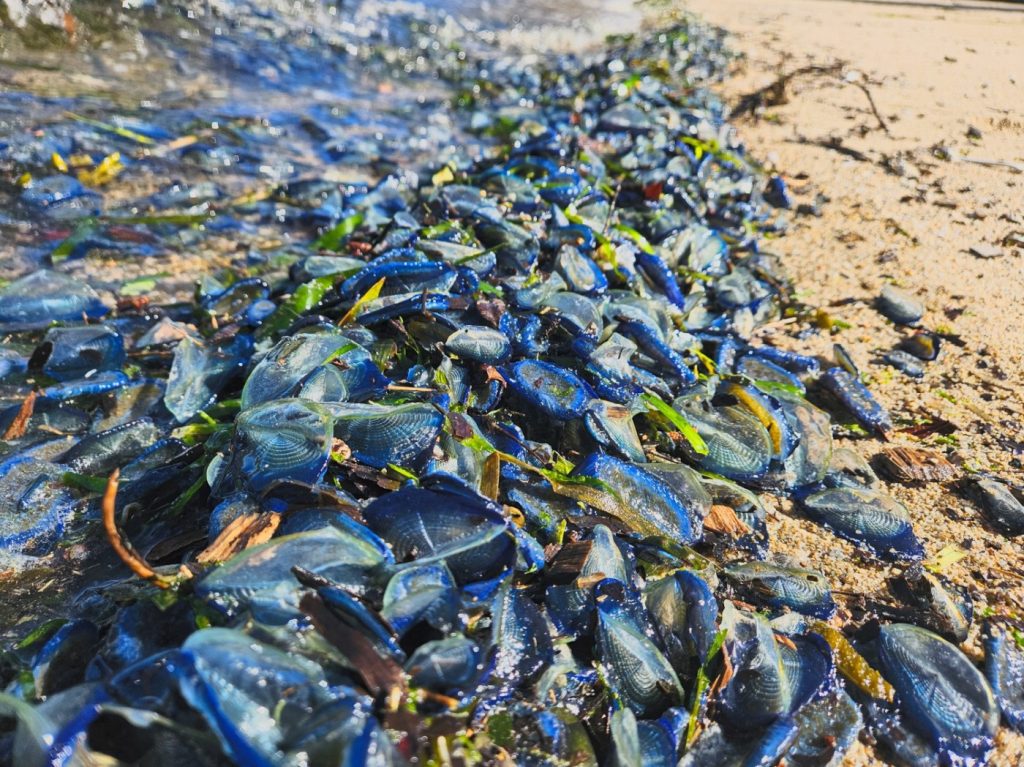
211	101
141	146
235	93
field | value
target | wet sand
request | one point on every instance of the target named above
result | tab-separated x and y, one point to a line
906	204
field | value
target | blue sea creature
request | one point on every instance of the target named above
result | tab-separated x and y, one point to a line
684	612
69	353
805	591
858	399
867	518
286	439
260	579
739	446
379	435
1004	670
637	671
35	505
43	296
445	521
554	391
1000	505
480	344
326	366
639	498
200	371
941	692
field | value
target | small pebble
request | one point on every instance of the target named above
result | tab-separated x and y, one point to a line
900	306
905	363
984	250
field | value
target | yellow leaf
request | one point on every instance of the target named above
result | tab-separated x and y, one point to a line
58	162
491	480
368	296
443	176
106	171
947	557
24	179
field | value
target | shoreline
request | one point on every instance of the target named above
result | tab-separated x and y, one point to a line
882	201
890	210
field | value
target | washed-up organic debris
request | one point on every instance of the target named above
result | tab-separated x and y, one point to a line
467	471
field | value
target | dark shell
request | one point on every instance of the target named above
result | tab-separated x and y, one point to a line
923	345
904	464
1001	506
904	362
61	661
935	603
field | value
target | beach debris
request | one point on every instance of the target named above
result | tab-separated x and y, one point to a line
900	306
467	458
907	464
986	250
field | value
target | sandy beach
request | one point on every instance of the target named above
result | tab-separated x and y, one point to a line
907	183
899	130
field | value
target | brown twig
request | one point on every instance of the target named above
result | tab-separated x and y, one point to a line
135	562
874	108
20	423
836	145
774	94
1014	166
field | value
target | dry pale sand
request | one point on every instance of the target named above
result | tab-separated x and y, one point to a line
899	212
